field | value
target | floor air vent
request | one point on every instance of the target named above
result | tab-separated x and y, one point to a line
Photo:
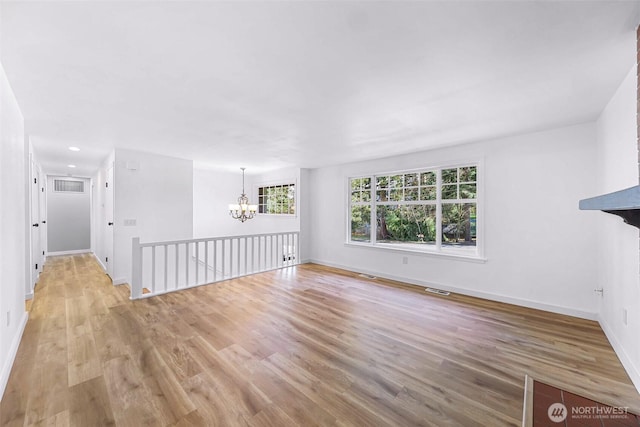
367	276
437	291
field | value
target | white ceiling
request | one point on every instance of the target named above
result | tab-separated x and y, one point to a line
276	84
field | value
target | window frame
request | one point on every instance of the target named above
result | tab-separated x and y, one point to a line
437	248
66	179
278	183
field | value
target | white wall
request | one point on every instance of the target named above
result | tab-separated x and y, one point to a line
618	265
540	248
69	218
14	253
304	206
213	191
157	193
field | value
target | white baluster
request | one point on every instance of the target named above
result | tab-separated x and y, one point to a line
166	266
186	264
177	266
136	270
197	261
215	260
238	259
224	264
153	269
246	254
206	261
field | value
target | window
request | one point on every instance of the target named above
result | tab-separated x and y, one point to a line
68	186
277	199
361	209
424	210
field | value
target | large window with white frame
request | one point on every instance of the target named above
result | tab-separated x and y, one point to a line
431	209
277	199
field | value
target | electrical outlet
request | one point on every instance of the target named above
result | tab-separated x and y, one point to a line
624	316
405	260
129	222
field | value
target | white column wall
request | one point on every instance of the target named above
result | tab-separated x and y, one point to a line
304	204
157	193
14	251
618	255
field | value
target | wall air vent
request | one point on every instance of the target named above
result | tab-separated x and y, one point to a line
68	186
437	291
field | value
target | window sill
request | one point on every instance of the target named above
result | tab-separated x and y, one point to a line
398	249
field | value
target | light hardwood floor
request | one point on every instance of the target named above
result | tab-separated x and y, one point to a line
301	346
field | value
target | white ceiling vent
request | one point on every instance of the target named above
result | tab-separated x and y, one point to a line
68	186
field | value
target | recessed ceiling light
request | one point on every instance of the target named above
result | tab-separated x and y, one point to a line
74	149
71	166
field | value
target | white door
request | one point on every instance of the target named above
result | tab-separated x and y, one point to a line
42	183
36	248
108	210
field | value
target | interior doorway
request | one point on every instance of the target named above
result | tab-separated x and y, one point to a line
108	225
37	255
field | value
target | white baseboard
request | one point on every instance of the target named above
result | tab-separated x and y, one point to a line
632	370
80	251
473	293
119	281
13	350
104	267
28	296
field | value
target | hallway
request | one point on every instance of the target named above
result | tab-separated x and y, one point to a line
304	346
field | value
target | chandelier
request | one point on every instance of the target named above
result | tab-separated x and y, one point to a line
242	210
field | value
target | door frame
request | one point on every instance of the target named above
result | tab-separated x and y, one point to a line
109	220
34	225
